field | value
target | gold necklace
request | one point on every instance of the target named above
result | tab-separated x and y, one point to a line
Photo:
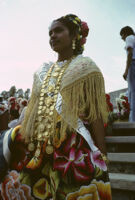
44	125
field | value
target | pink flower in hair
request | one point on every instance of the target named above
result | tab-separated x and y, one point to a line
83	41
84	29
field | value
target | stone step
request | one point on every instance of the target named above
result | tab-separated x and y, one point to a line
120	144
120	167
121	157
122	181
123	128
120	139
118	194
124	125
120	147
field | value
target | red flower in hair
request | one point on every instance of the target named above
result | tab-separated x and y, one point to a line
83	41
84	29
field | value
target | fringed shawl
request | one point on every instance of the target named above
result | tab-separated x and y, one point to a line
83	93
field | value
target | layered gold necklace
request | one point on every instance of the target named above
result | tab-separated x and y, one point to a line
44	124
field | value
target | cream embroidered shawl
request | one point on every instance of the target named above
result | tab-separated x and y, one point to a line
82	90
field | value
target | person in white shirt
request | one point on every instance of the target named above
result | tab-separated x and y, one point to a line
128	35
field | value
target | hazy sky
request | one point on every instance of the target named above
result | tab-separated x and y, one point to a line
24	37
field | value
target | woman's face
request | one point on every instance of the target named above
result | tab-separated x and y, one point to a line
60	39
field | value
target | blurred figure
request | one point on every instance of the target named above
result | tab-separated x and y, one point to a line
4	117
1	99
16	111
23	103
14	115
128	35
13	112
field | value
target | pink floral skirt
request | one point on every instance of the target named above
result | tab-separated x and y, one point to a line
73	172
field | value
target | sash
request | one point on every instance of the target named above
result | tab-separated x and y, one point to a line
81	129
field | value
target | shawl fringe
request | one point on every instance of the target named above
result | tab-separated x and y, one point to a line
28	125
85	96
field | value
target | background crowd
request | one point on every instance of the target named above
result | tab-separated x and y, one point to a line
13	104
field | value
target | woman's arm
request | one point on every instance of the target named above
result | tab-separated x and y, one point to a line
98	134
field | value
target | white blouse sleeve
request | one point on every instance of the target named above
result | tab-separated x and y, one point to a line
130	40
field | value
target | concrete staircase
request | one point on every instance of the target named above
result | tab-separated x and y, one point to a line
121	153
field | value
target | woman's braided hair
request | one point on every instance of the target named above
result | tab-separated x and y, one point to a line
76	27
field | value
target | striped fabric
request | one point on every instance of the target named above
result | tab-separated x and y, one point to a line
6	145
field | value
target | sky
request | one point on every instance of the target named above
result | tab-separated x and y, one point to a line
24	40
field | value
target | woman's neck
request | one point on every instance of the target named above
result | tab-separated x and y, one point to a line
65	55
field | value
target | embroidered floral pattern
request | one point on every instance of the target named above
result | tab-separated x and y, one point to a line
41	189
11	188
104	189
97	160
97	190
84	193
74	157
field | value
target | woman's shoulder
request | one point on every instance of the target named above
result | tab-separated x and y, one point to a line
80	68
39	76
42	70
86	62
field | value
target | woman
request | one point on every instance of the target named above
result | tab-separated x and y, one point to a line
66	110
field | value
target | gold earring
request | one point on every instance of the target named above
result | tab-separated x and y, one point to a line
73	44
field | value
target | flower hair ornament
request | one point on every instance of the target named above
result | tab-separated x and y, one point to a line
83	28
